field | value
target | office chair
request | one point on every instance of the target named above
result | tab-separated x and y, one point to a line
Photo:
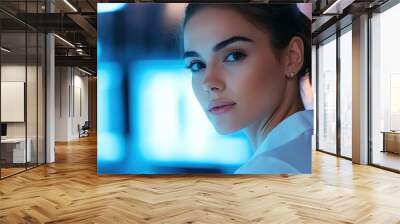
84	130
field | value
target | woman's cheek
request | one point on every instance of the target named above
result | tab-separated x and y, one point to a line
257	84
245	81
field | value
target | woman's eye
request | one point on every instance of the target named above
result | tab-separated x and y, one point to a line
234	56
196	66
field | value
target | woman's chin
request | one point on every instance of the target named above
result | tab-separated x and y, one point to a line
225	129
226	125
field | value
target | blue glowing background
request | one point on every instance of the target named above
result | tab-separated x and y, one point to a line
149	121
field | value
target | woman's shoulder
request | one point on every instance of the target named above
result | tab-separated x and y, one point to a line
289	130
266	165
287	149
292	157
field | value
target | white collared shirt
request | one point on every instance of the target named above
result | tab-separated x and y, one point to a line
286	149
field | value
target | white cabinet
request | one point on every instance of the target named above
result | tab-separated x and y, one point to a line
18	149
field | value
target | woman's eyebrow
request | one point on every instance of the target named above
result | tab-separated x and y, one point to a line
230	40
219	46
189	54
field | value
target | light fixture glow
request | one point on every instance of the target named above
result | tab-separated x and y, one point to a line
70	5
331	7
84	71
64	40
338	6
5	50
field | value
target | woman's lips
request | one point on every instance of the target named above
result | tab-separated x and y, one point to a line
220	107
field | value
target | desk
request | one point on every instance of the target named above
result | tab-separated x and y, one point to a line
15	148
391	141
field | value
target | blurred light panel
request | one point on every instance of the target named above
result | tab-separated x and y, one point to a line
109	7
169	123
111	142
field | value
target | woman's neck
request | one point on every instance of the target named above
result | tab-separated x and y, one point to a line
291	103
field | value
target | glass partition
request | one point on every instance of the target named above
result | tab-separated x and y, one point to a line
327	95
22	90
13	105
32	95
346	93
385	89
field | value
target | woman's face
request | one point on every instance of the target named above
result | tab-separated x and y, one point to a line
237	77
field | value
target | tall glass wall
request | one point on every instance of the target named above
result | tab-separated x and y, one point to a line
22	89
334	62
385	88
346	92
327	95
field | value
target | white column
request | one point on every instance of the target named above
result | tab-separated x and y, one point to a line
360	90
50	93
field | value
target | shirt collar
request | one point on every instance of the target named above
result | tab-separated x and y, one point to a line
287	130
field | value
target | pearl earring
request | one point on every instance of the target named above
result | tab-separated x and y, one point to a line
291	74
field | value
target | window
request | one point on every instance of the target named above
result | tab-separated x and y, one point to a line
327	96
385	89
346	93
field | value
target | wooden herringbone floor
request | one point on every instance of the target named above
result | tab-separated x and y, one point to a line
70	191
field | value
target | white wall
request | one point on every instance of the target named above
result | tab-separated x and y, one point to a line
16	72
33	127
80	83
70	83
61	103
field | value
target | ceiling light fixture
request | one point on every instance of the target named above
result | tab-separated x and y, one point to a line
331	7
338	6
5	50
84	71
64	40
70	5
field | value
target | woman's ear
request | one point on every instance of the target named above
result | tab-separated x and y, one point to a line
294	57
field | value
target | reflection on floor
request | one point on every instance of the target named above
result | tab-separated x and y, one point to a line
11	169
387	159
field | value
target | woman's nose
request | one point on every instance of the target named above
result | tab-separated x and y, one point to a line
213	80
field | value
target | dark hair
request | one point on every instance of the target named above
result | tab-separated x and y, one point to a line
281	21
